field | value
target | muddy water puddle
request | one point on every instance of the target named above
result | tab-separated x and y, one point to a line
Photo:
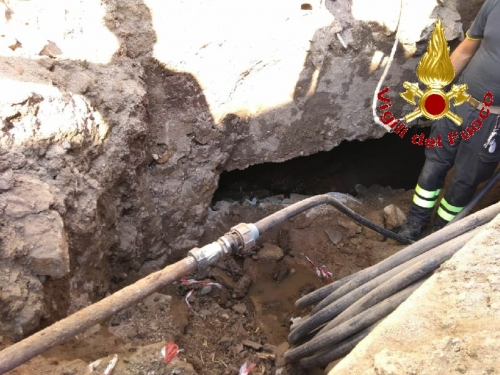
274	301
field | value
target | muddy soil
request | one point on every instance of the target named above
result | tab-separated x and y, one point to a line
248	319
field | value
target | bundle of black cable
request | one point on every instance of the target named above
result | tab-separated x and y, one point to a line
348	309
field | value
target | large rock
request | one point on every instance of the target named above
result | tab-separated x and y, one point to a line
394	217
269	253
21	301
48	251
32	232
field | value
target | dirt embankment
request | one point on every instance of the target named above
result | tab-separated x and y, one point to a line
246	315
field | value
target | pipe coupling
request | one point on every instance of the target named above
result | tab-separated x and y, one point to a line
247	235
241	237
206	255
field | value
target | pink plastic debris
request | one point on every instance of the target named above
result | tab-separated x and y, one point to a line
247	368
169	351
322	272
185	281
187	302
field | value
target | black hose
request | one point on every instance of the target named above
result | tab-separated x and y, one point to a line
321	293
306	325
426	265
486	188
398	276
324	291
367	223
293	210
286	213
429	242
352	326
330	354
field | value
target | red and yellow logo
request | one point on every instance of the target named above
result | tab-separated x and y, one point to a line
435	70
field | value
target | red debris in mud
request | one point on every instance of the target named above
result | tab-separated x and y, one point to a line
247	368
169	351
320	271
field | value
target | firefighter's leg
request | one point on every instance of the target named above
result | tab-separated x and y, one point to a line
430	183
473	165
438	162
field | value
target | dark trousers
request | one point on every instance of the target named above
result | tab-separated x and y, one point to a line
473	165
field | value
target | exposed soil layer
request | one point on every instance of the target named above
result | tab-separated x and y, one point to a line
249	318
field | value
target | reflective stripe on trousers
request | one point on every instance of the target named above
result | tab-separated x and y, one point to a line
446	211
425	198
